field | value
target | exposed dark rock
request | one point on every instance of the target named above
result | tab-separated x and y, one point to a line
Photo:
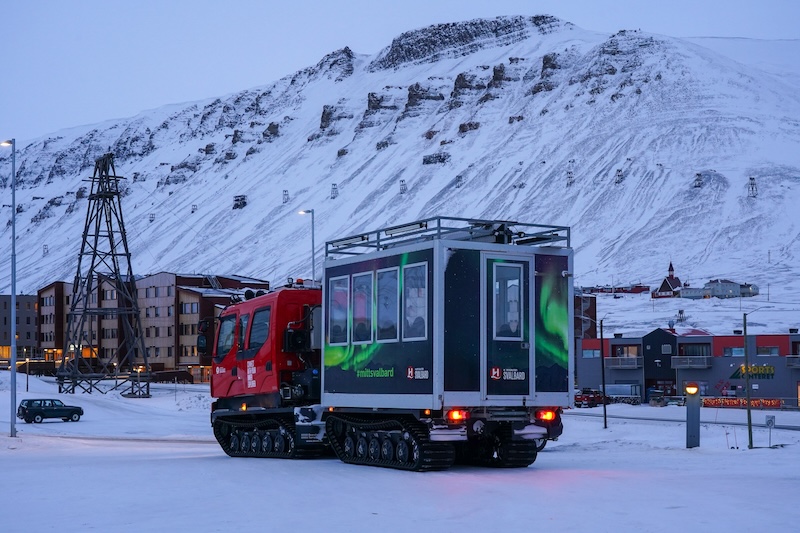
430	134
342	152
382	144
327	116
549	65
514	119
437	158
468	126
237	136
459	39
544	85
272	131
210	149
337	65
486	97
418	93
331	114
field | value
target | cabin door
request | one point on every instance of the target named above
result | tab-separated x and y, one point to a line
506	327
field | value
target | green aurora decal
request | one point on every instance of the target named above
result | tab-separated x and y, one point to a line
552	324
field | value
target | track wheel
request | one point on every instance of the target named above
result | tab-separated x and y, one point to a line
266	443
349	446
387	449
403	451
374	449
234	442
361	447
279	445
255	443
244	446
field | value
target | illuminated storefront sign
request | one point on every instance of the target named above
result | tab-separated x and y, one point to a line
755	372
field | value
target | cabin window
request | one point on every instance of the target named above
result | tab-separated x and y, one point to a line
227	325
415	301
388	309
508	317
362	308
338	298
259	331
243	320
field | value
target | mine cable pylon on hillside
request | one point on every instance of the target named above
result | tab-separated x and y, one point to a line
104	305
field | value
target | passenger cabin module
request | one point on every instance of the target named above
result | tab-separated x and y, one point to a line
438	341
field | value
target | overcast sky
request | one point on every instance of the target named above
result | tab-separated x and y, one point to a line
75	62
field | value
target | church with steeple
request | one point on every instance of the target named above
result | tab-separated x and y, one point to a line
670	287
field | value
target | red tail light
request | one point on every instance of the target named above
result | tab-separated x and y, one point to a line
546	415
457	415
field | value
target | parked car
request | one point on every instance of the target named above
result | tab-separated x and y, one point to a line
39	409
591	398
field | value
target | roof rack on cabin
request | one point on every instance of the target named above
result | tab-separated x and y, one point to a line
451	228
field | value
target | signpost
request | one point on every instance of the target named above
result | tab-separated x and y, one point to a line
770	425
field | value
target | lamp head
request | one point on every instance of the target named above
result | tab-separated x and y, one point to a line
9	142
692	388
305	212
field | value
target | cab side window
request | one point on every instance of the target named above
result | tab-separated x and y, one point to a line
259	331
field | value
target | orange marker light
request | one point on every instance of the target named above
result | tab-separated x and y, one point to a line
244	407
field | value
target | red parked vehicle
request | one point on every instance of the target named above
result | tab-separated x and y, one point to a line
591	398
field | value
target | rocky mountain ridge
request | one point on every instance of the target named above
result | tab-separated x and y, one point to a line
516	118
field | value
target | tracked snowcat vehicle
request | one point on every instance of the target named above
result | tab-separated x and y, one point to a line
444	340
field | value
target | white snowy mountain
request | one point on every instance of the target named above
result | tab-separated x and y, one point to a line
517	118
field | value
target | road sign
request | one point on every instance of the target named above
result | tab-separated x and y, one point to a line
770	421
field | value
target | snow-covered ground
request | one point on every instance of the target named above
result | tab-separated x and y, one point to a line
152	465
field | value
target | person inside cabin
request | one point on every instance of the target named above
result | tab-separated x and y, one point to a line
510	328
415	324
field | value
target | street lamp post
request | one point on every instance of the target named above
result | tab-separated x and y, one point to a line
603	374
13	144
747	380
602	365
313	245
27	373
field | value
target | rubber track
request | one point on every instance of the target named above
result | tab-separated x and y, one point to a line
432	455
273	424
516	453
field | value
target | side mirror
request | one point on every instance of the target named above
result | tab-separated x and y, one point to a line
203	325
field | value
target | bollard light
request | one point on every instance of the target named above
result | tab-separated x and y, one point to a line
692	415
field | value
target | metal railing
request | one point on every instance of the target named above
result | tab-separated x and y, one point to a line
691	361
624	363
793	361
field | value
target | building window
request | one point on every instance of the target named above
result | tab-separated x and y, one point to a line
733	352
666	349
591	354
766	351
626	351
695	349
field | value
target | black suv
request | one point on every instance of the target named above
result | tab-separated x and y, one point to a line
38	410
